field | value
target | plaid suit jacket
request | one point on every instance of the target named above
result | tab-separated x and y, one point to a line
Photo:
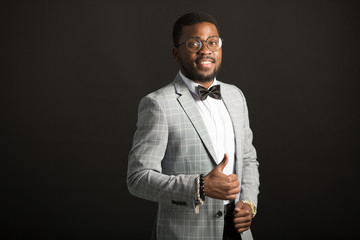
171	147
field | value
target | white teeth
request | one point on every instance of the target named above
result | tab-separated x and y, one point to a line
205	62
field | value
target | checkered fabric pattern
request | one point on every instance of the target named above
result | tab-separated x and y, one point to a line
171	147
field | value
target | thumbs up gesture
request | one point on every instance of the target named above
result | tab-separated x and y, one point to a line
219	185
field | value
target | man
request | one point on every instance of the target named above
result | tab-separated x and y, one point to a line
192	150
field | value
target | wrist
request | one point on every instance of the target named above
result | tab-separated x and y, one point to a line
252	206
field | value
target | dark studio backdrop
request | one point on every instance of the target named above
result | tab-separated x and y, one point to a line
73	73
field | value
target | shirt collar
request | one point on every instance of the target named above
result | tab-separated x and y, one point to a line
192	86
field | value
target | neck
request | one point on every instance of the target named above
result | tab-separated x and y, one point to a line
205	84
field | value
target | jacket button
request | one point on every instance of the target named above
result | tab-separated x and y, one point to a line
219	214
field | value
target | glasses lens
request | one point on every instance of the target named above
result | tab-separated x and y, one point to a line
214	43
193	44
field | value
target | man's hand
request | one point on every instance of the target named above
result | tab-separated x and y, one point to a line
242	217
219	185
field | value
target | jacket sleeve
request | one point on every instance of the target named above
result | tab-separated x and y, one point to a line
144	176
250	174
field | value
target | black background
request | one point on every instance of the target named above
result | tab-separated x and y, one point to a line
73	73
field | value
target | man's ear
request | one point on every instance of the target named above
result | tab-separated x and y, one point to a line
175	53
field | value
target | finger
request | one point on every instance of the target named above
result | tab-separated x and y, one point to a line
242	225
236	210
235	184
239	204
242	220
233	178
233	191
230	197
223	163
241	213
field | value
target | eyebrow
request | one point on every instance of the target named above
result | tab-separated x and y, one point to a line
206	38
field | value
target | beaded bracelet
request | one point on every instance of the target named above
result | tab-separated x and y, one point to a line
202	190
199	201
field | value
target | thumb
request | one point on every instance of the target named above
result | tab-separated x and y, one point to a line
239	205
223	163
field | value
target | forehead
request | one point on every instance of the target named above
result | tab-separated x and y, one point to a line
201	30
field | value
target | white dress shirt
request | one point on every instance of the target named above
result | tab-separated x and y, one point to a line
218	123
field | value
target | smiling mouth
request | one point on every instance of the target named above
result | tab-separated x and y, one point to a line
205	62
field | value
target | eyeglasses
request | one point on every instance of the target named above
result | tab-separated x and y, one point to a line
194	44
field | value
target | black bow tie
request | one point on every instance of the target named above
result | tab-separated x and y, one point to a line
213	92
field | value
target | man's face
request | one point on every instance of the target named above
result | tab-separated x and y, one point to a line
201	66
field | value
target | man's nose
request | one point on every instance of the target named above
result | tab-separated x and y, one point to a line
204	50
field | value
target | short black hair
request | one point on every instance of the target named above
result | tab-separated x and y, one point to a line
191	19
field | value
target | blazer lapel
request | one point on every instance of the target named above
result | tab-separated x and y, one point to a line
187	102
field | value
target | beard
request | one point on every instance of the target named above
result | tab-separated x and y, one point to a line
195	76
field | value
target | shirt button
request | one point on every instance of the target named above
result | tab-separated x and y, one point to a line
219	214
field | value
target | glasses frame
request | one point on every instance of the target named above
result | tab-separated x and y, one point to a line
201	44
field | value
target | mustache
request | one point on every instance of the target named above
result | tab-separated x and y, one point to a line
212	59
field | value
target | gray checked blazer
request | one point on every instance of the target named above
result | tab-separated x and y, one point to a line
171	147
